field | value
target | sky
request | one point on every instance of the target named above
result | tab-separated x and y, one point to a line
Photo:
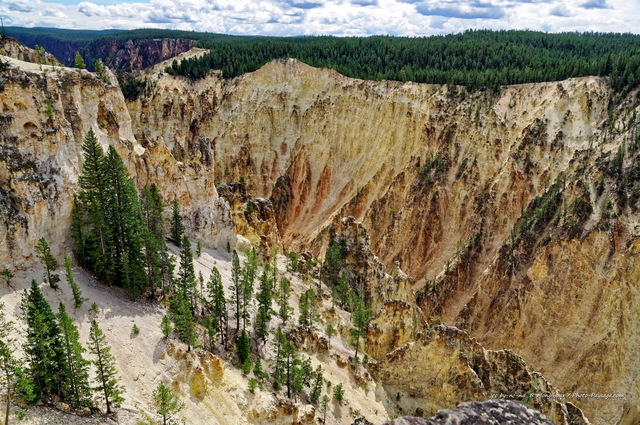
328	17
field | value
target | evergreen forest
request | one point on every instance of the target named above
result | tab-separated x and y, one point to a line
476	59
479	59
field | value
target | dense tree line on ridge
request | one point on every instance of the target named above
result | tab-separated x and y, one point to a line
477	59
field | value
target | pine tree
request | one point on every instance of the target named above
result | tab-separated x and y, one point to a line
290	362
177	229
305	373
100	69
324	404
107	222
200	296
43	252
186	273
253	384
284	293
166	326
257	370
166	403
308	308
277	362
263	315
316	389
209	325
303	306
360	321
243	347
236	288
246	366
153	207
338	392
75	289
124	217
215	290
333	261
155	248
92	235
77	368
183	318
106	374
247	280
79	61
43	344
341	292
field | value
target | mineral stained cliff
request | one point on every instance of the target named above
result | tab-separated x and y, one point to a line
489	202
505	209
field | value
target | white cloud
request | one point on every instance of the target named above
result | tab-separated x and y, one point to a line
560	10
339	17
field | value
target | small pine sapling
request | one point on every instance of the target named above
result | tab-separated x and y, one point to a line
166	326
166	404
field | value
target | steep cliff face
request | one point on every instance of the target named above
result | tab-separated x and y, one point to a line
45	117
254	219
440	179
348	147
10	47
432	368
139	53
365	273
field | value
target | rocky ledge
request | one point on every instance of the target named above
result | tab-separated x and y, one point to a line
492	412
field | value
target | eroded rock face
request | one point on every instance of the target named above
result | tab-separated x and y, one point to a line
198	370
397	323
45	117
13	49
365	272
444	365
141	53
490	412
439	181
254	219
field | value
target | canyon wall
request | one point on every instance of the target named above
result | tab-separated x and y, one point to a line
45	117
441	179
503	208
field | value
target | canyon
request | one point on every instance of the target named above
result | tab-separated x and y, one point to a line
501	214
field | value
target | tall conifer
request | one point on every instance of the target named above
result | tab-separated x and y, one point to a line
106	374
247	280
77	368
75	289
236	288
125	219
218	302
177	228
43	252
264	298
89	216
43	344
183	318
